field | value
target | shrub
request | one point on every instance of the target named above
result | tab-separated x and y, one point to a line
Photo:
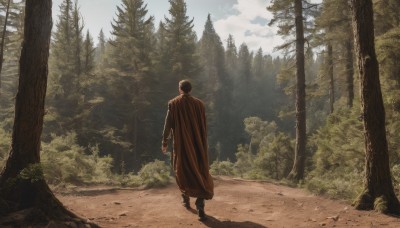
225	168
64	161
275	157
339	156
155	174
5	142
244	161
346	186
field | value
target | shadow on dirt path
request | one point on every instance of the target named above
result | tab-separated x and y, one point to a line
213	222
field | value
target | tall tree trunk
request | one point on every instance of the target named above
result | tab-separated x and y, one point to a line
22	185
349	73
297	172
3	38
331	79
378	190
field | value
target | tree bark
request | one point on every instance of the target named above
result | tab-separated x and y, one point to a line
22	185
349	73
378	191
297	172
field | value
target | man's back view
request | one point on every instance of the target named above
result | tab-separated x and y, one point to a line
186	122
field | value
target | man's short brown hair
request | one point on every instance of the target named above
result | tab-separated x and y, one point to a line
185	86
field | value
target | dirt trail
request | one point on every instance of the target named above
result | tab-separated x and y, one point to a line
237	203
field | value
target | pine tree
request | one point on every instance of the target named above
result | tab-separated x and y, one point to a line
65	105
88	54
233	130
265	96
100	50
378	189
292	19
129	64
78	40
231	57
87	92
179	51
240	90
29	190
245	74
216	94
297	172
334	27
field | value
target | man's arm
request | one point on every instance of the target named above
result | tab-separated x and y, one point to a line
166	132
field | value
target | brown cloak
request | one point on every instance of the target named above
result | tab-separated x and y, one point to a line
186	120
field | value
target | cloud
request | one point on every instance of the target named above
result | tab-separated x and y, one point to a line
249	24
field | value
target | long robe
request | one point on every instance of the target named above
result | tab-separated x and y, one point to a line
186	122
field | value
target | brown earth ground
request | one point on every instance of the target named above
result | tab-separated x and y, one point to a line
237	203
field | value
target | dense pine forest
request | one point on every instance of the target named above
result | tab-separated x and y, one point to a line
268	117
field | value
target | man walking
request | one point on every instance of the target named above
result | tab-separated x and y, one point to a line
186	123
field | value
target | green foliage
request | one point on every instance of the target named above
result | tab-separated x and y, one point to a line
124	116
65	63
129	180
64	161
10	67
268	156
284	17
115	96
275	156
386	15
155	174
396	176
33	173
338	186
5	142
340	143
214	89
224	168
273	149
244	161
381	204
388	53
339	155
180	43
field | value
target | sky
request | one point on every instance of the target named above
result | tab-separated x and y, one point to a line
246	20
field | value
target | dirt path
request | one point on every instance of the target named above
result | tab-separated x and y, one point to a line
236	203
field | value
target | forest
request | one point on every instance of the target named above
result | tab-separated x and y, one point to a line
301	118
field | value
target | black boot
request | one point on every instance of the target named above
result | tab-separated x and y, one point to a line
185	201
200	209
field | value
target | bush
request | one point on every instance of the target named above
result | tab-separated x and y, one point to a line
269	154
225	168
244	161
396	177
64	161
5	142
347	186
155	174
275	157
129	180
339	156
